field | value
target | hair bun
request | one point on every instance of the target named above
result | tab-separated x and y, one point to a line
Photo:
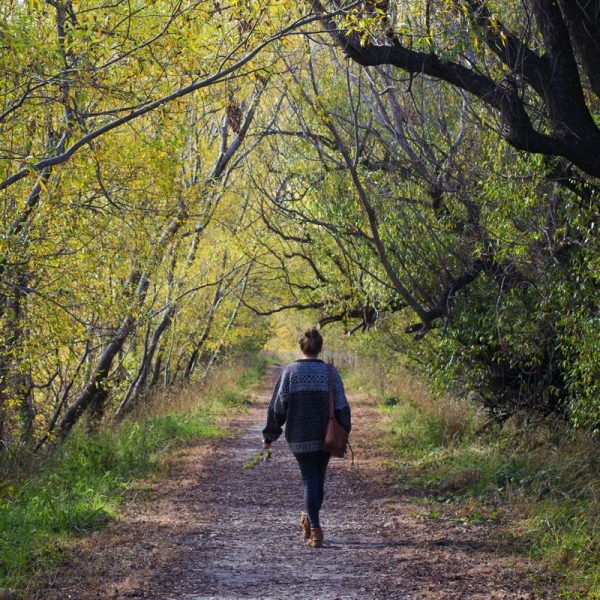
311	342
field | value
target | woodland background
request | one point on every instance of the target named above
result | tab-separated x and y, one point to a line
183	182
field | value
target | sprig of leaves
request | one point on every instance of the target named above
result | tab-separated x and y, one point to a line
260	456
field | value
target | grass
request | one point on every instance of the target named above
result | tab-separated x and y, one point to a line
78	488
540	483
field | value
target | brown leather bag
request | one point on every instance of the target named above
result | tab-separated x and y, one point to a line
336	437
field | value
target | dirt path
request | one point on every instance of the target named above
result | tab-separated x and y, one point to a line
215	530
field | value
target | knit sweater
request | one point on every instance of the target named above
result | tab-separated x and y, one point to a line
301	401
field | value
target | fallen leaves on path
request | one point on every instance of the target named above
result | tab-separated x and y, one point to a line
216	530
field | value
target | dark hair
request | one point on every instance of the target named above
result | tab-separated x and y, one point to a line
311	342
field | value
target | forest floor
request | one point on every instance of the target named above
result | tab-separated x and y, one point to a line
213	529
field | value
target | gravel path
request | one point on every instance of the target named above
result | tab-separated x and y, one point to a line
218	531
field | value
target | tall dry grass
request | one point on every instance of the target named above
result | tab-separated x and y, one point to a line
417	414
229	385
540	482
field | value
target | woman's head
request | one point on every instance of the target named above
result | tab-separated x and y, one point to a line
311	342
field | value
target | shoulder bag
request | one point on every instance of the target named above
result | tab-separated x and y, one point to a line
336	437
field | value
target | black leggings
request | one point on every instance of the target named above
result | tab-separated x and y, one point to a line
313	466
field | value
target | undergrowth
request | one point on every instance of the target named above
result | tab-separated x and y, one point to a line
539	481
77	488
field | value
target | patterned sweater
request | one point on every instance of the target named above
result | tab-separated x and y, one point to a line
301	401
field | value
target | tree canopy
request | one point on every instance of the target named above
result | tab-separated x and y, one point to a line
174	173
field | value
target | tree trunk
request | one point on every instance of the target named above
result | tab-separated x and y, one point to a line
95	391
139	383
191	365
230	324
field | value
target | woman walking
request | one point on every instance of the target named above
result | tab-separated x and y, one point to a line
300	400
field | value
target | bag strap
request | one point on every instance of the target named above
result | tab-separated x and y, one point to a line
330	390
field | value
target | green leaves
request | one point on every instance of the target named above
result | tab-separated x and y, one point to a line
259	458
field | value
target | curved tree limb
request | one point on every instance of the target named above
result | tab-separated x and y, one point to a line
575	135
220	75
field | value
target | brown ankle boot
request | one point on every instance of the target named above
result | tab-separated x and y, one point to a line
316	538
305	524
